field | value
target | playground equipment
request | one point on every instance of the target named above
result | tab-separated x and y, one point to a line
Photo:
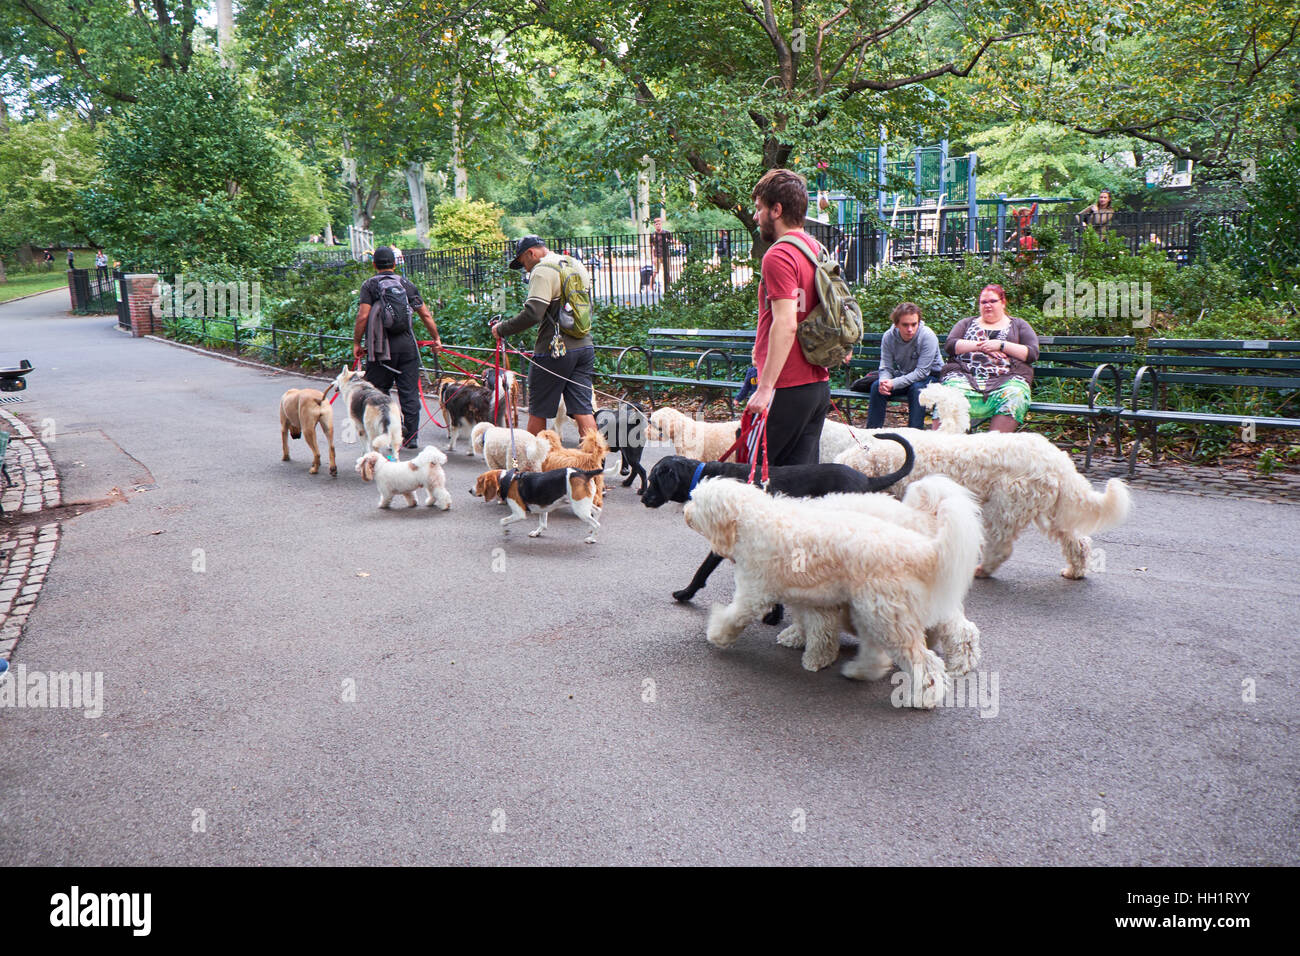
927	204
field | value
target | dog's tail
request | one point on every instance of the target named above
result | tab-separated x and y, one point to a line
958	540
909	459
589	474
476	437
1084	511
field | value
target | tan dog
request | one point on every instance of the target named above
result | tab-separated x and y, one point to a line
589	454
703	441
301	410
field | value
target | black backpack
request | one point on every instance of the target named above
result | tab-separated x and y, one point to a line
392	304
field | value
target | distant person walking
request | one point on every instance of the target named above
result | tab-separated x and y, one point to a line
101	267
72	260
661	249
1099	214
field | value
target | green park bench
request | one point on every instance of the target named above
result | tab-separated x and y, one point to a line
1208	370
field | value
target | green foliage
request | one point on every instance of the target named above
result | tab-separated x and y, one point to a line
44	164
1044	159
458	223
195	173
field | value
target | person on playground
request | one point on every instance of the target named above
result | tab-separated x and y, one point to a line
1099	214
568	373
795	393
392	356
909	361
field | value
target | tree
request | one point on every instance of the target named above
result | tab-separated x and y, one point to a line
466	222
716	92
196	173
44	165
1046	159
93	55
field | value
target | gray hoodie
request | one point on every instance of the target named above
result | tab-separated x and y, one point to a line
909	362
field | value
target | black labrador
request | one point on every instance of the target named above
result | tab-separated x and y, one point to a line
624	431
673	478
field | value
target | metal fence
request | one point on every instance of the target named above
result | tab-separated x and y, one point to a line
641	269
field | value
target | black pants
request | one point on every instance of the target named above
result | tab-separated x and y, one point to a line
407	378
794	424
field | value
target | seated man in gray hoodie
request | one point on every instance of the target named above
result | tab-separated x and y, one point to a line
910	359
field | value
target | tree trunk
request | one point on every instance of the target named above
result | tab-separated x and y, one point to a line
419	202
460	175
642	198
25	255
3	278
329	224
225	33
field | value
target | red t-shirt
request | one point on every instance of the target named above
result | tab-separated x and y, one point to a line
786	271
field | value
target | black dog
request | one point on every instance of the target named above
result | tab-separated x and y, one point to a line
624	431
468	404
673	478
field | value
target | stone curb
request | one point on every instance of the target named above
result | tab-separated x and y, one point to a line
25	556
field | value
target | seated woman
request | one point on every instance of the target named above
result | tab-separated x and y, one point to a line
990	357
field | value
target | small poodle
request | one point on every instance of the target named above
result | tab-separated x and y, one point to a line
493	444
1019	478
406	477
589	454
703	441
894	583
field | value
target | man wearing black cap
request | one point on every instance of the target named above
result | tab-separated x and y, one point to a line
392	355
551	375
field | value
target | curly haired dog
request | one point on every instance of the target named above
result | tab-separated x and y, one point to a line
589	454
895	583
407	477
376	415
703	441
1019	478
817	630
301	410
949	406
493	444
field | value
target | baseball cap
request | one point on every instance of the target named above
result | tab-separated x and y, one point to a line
384	258
522	246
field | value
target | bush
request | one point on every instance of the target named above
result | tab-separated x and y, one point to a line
458	223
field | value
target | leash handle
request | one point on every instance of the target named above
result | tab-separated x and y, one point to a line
758	430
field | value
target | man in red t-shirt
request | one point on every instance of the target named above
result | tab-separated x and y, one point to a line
795	393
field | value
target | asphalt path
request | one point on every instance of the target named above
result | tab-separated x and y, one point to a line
344	685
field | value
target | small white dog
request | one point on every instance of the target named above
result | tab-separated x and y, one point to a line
703	441
1019	478
562	417
375	414
817	630
949	406
407	477
896	583
492	443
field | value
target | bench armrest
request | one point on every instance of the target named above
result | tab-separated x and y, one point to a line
649	359
1094	385
1155	386
699	362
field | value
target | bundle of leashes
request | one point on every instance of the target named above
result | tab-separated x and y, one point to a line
753	435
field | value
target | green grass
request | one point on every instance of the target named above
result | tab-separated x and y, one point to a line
25	283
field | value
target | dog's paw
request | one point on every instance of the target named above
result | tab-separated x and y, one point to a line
313	469
981	573
590	539
684	595
285	458
870	664
535	534
791	637
720	634
925	689
817	657
334	472
963	650
1074	574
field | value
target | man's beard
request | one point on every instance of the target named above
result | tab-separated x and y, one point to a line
766	231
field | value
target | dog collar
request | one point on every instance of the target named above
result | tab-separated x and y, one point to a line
695	478
503	486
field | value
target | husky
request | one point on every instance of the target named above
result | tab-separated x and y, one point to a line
376	415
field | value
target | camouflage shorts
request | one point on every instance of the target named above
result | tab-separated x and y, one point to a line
1011	399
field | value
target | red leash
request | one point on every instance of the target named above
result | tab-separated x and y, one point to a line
749	424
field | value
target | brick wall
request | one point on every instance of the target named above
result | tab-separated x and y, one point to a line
141	298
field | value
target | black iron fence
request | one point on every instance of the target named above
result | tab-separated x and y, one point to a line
640	269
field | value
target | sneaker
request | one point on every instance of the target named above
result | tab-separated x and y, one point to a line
4	669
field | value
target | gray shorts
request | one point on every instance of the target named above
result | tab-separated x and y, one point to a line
545	389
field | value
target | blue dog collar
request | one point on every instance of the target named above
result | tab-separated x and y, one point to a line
695	478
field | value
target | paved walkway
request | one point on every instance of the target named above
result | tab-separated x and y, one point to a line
288	675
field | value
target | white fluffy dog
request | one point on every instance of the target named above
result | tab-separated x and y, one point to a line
492	443
817	630
703	441
895	583
948	404
1018	478
407	477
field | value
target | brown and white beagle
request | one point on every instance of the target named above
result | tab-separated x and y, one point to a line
539	492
